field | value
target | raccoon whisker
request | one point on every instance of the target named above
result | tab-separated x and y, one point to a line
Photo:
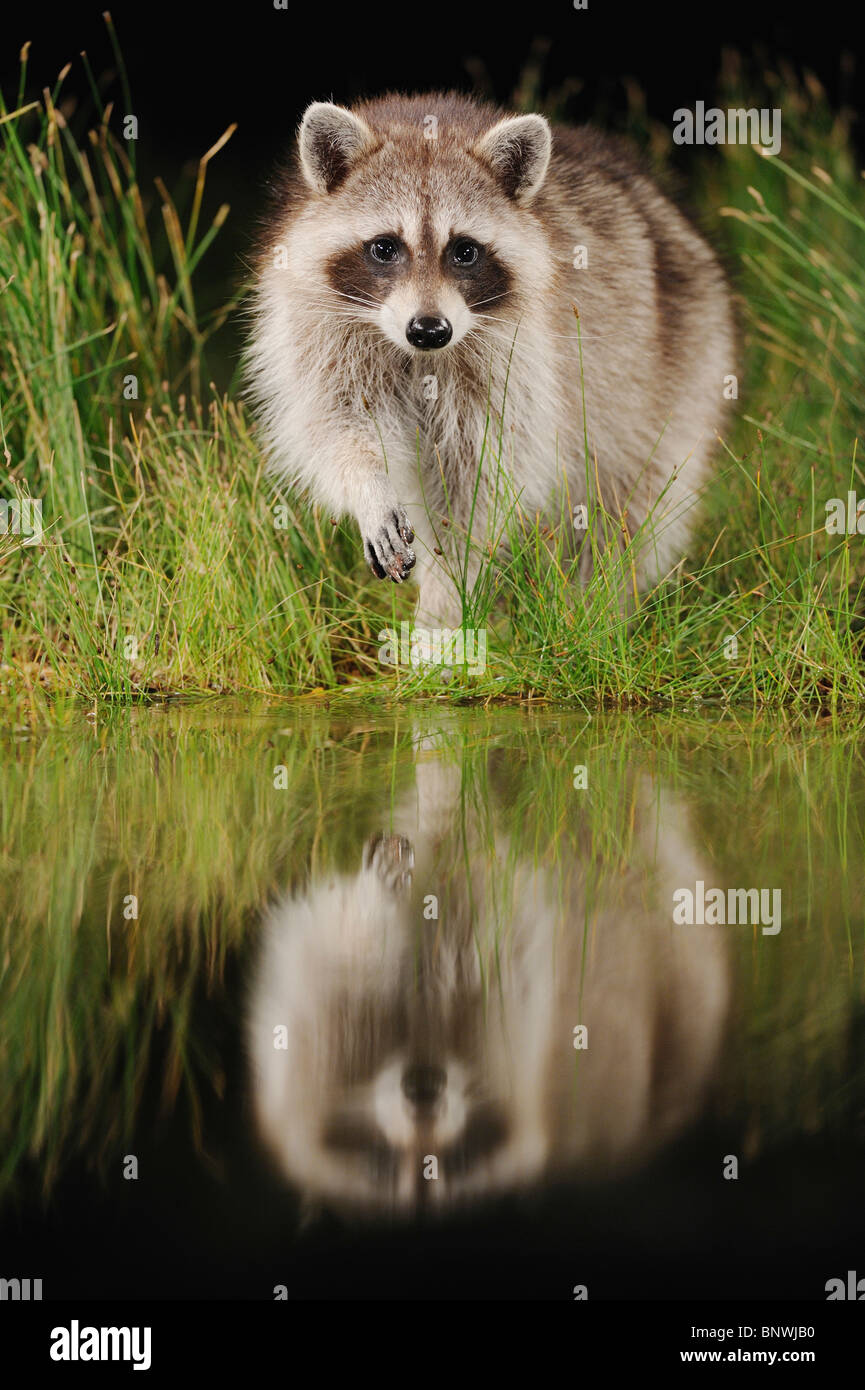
483	342
491	300
509	331
346	310
344	301
344	320
365	303
504	336
494	318
355	298
347	315
574	338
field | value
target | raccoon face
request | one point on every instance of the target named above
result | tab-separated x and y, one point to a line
422	295
405	1132
410	1122
428	240
393	1074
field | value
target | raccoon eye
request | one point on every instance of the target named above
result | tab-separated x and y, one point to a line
465	252
384	249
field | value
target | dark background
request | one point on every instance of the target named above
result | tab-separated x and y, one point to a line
194	68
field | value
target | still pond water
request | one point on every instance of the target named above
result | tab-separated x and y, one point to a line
431	1003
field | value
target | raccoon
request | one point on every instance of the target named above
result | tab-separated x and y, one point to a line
457	309
409	1037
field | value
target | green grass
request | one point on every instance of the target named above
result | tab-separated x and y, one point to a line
163	571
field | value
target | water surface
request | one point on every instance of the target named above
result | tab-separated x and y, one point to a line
403	1004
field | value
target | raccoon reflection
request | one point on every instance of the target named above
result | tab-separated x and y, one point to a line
431	1060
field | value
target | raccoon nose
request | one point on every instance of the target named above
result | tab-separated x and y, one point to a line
427	332
423	1085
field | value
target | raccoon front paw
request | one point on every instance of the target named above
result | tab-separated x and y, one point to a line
389	551
391	858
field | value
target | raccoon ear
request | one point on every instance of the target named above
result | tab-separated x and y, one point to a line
517	150
331	139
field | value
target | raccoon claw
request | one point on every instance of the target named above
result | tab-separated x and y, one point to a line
373	562
389	552
391	857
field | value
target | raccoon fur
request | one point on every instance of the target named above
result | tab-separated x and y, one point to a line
457	310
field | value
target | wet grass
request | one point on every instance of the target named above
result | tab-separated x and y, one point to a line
170	563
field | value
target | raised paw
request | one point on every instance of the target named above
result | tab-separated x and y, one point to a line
389	550
391	857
